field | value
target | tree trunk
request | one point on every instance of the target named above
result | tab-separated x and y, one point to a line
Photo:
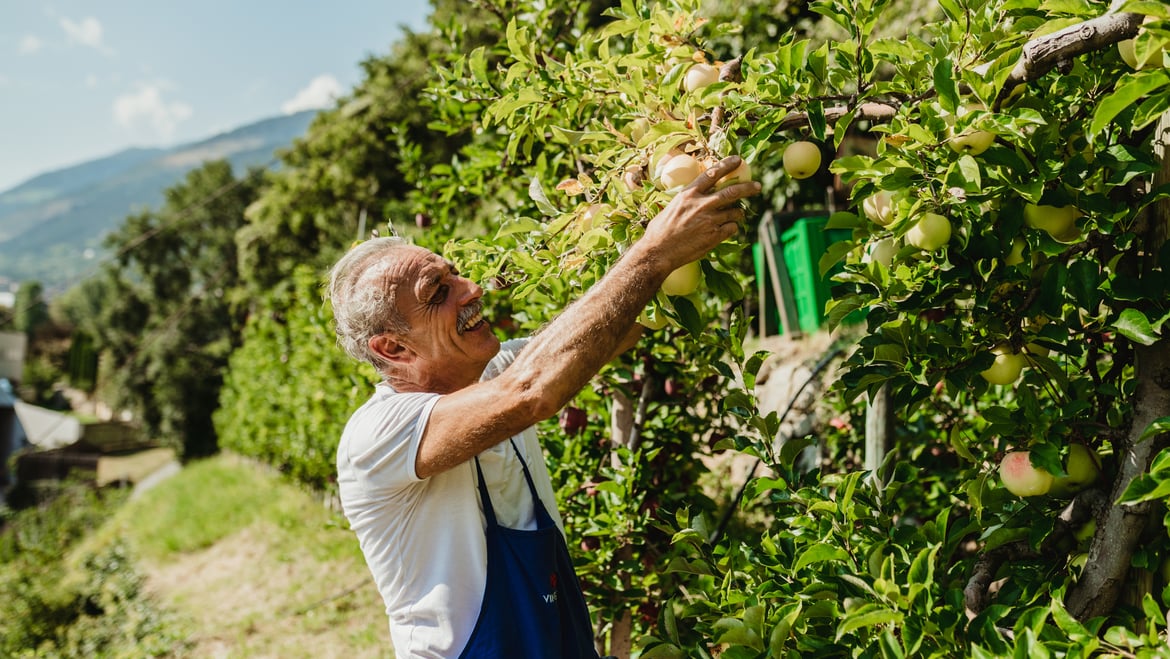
1107	570
1120	527
623	433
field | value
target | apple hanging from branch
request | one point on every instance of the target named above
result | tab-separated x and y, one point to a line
1021	478
931	232
1006	368
802	159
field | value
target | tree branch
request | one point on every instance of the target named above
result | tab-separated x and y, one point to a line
1045	53
1038	57
1087	504
729	72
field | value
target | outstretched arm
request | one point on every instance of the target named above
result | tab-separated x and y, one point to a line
560	360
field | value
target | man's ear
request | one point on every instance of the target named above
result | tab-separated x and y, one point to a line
389	349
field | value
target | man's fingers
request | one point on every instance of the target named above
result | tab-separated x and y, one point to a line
707	179
737	191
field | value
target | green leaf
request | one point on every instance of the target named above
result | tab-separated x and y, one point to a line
1131	89
1158	427
1133	325
1153	612
664	651
820	553
944	83
1084	283
867	618
688	315
792	448
833	253
519	225
536	193
1146	487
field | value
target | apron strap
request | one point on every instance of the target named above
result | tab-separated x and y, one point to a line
489	512
541	512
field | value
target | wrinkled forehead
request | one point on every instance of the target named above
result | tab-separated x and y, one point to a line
408	270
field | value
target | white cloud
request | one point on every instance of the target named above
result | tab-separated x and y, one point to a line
320	93
87	31
29	44
146	109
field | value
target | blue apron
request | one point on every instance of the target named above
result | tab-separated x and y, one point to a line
532	604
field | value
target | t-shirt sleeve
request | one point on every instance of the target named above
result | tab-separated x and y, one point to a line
503	359
383	438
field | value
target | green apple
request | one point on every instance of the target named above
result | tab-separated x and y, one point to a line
1016	255
1037	349
1083	466
802	159
658	163
1129	54
881	251
972	142
879	208
679	171
1006	368
638	129
699	76
1055	220
658	322
1087	530
684	280
931	232
1021	478
1071	235
633	177
595	216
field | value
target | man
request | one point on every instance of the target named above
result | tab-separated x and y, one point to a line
440	472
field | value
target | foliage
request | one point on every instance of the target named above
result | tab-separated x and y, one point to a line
528	135
52	607
556	112
29	310
289	388
169	317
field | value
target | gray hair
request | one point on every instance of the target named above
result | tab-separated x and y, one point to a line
364	305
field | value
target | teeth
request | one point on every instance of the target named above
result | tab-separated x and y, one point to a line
471	321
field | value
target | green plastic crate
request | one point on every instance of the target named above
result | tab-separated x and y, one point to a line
802	245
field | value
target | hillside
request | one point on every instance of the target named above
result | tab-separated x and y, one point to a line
51	226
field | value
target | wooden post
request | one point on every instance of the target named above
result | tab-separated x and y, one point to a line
879	430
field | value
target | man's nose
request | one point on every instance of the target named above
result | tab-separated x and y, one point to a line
469	291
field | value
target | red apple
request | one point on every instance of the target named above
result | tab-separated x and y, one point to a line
1021	478
573	420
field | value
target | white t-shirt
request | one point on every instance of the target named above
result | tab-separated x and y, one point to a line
423	539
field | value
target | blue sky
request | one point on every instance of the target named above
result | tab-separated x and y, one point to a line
82	79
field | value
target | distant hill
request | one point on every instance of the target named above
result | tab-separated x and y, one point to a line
51	226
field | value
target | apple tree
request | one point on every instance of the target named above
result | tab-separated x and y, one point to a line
1007	249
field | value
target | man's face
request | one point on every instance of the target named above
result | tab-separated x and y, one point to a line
449	338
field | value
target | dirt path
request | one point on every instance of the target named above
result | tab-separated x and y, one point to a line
250	596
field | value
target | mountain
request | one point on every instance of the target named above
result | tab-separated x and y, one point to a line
52	226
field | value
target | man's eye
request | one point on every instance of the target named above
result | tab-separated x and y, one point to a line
440	295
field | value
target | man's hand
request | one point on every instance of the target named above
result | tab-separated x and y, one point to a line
699	217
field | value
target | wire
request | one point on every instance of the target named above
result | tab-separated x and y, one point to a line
820	366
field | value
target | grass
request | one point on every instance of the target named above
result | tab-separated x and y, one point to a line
252	565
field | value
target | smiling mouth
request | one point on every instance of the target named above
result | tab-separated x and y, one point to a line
471	319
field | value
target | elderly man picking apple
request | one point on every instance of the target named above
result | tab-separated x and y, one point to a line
440	472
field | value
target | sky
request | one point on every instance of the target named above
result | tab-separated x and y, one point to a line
81	79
